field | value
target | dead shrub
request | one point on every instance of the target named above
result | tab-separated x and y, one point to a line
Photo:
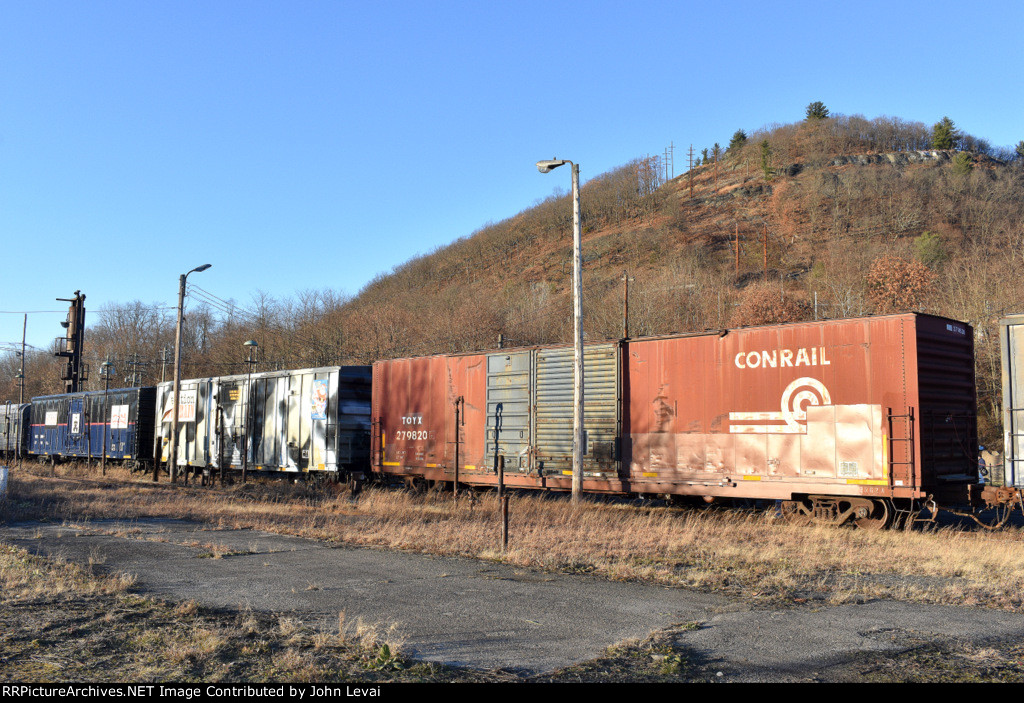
768	305
898	285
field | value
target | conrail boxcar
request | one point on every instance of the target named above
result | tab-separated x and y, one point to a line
309	420
856	419
89	424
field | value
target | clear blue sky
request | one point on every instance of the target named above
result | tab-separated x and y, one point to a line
314	144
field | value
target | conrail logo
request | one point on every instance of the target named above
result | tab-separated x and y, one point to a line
792	416
782	358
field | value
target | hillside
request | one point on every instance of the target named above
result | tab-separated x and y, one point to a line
835	217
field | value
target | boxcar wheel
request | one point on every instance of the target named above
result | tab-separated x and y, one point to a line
796	512
876	516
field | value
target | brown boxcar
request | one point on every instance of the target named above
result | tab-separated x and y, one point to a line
842	419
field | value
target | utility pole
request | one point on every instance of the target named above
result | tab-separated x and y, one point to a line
138	368
737	251
766	253
21	389
691	170
716	151
164	360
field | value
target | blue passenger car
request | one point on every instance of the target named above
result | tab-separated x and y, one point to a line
85	425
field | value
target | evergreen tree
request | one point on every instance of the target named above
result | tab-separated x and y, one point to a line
962	164
817	111
1019	150
739	138
945	134
766	160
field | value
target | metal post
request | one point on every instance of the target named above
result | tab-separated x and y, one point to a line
503	502
455	489
87	412
219	415
249	410
107	415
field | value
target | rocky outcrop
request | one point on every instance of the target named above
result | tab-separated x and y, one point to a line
899	158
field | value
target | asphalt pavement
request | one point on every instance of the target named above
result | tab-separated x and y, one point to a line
466	612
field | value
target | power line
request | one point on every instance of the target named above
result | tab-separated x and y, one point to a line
249	317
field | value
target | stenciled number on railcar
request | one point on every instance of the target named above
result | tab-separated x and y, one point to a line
410	435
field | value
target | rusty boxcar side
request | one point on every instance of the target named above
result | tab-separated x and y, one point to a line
877	407
881	406
513	403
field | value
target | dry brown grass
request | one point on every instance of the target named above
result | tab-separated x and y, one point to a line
25	578
60	622
736	551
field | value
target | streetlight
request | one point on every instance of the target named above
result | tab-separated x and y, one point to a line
251	347
173	453
577	312
106	369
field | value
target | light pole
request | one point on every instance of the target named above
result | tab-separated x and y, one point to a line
577	313
251	347
173	452
106	369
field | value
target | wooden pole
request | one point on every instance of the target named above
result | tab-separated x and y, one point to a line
766	253
737	251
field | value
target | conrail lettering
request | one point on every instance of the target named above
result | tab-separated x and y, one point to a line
782	358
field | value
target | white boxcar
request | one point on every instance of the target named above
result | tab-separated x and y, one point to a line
298	421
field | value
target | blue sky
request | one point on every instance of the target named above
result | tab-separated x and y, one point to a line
314	144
